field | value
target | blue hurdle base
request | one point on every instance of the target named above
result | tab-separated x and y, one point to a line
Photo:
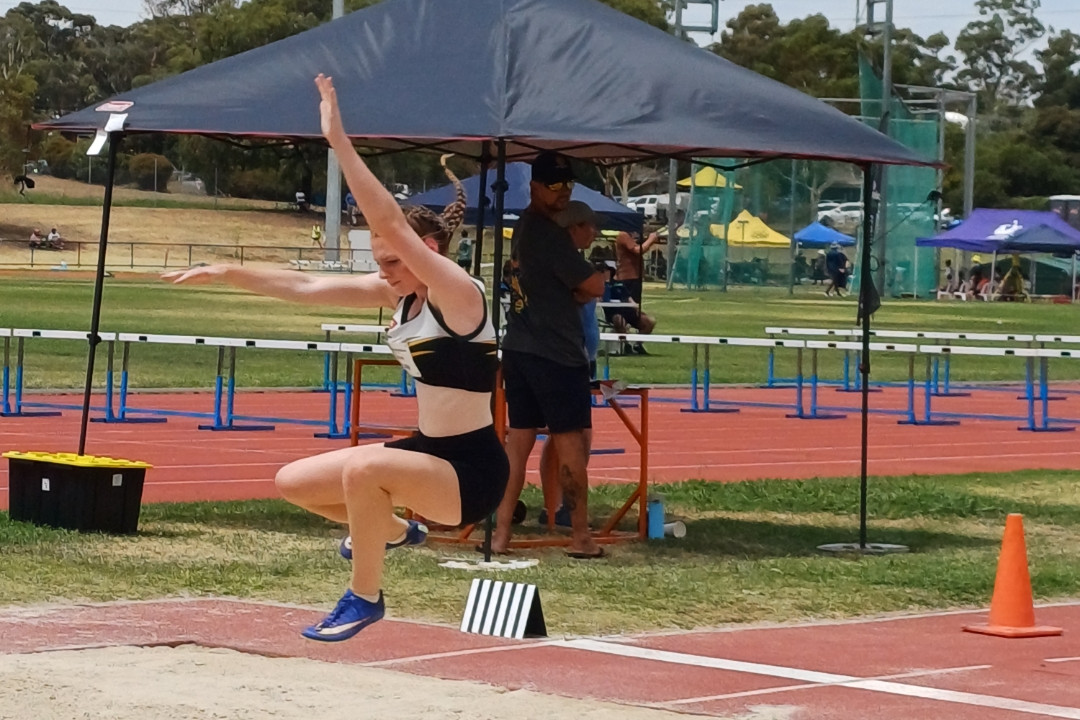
1051	397
336	436
364	436
608	451
819	416
1052	428
32	413
140	421
236	428
709	410
952	394
927	422
857	390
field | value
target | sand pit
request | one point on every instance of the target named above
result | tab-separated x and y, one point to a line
196	683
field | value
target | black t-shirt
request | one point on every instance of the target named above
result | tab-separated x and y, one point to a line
544	318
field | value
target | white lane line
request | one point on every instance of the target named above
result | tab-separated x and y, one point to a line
813	676
847	461
1061	660
806	686
461	653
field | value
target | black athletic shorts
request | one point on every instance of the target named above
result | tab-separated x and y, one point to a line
542	393
480	462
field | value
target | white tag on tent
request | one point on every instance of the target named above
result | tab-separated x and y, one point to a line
114	124
99	142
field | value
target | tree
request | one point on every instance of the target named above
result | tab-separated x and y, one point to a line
150	171
1060	84
993	47
807	53
17	90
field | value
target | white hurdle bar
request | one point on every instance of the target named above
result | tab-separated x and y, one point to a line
941	371
406	387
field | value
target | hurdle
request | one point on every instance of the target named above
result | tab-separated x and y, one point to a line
1042	422
51	409
406	386
941	366
223	415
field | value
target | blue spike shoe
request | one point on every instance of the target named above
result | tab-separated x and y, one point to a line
562	517
351	615
415	534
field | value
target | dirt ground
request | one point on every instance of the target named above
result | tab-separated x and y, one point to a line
143	235
195	683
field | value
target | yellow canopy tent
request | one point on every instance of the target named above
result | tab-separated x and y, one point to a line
748	230
707	177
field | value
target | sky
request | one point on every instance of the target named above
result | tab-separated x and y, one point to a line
925	17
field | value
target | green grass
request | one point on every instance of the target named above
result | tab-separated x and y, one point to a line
139	305
749	555
182	202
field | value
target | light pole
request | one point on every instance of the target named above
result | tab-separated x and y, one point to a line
332	232
673	166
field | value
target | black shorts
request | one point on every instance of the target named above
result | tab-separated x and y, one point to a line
480	462
542	393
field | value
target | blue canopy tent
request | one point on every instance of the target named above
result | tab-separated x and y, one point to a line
987	230
1011	231
816	235
516	198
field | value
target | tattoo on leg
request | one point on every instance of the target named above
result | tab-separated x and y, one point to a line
570	490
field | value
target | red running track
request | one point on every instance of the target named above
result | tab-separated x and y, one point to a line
908	667
191	464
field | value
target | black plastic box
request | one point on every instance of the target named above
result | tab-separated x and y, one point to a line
75	492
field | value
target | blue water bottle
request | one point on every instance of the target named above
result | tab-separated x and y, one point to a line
656	517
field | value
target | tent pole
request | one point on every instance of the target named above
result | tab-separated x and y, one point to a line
99	282
1072	288
500	187
865	299
993	271
794	243
481	206
496	280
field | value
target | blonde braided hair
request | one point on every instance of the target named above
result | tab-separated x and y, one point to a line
440	227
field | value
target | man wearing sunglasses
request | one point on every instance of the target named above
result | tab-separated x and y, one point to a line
545	367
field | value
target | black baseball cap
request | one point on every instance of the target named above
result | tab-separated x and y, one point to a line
551	167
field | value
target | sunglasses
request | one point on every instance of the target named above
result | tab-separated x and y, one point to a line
557	186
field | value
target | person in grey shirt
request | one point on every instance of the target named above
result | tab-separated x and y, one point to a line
545	366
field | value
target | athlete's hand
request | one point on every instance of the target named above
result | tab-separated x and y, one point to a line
202	275
330	115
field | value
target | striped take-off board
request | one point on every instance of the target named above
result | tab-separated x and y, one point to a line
504	609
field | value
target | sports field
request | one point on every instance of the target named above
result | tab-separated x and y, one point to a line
749	556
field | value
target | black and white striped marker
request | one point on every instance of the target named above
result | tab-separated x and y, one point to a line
503	609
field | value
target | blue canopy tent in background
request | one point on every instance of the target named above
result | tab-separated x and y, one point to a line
516	198
1011	231
987	230
816	235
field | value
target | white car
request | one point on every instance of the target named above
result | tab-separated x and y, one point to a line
647	205
844	216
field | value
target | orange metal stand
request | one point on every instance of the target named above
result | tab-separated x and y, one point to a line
607	533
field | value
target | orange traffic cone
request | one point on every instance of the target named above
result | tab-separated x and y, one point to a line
1012	613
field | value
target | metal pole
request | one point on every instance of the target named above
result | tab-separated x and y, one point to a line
496	278
481	207
99	282
865	294
500	192
794	244
886	104
969	156
673	177
332	231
